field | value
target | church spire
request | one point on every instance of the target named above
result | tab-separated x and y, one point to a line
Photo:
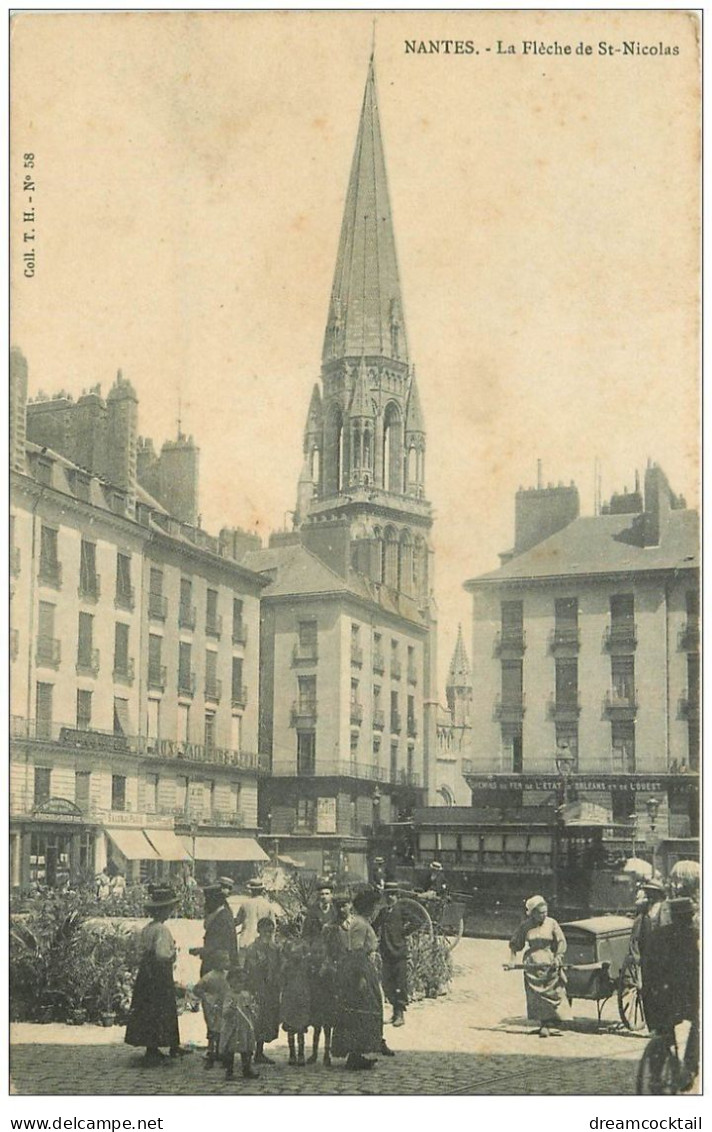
459	675
365	311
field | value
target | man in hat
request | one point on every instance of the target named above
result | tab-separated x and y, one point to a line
321	912
393	930
254	907
436	880
378	873
218	926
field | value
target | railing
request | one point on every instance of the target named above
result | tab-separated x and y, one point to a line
395	721
239	695
90	587
213	690
689	637
379	662
356	656
396	669
688	706
213	625
304	654
303	713
239	633
565	636
406	778
379	719
337	768
124	674
564	707
622	704
157	678
186	616
510	640
355	713
412	725
125	598
49	652
88	663
510	708
186	683
14	561
50	573
623	636
14	643
157	607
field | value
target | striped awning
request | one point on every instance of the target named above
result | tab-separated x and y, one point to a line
225	849
134	844
167	845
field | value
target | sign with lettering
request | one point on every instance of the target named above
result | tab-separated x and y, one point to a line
326	815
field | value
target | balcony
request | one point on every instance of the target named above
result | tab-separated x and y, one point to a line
396	669
49	652
88	663
379	662
124	673
356	656
157	678
412	674
239	633
157	607
303	714
239	695
564	709
198	753
510	709
688	639
304	654
69	735
213	690
125	598
186	616
90	587
688	706
213	625
396	722
336	768
14	643
379	719
186	684
412	725
621	637
356	714
405	778
14	561
621	703
510	642
565	638
50	574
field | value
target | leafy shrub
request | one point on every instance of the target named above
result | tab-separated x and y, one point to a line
429	966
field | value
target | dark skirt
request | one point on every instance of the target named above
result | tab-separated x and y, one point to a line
267	1013
323	997
359	1006
153	1018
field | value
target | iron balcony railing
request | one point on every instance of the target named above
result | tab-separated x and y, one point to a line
124	671
379	661
565	637
510	640
213	625
335	768
49	652
621	637
305	654
157	677
125	598
213	690
564	707
239	695
186	615
510	708
157	607
621	702
303	713
379	719
50	573
90	587
186	683
356	656
88	663
239	633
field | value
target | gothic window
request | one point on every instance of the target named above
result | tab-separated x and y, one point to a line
412	467
406	563
392	449
390	573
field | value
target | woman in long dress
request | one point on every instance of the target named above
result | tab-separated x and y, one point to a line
351	945
153	1018
544	945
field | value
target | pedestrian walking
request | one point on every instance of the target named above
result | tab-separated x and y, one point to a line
392	930
263	967
211	992
153	1018
352	946
544	945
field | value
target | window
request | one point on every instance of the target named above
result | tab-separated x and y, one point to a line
186	591
513	747
43	710
356	650
186	610
236	733
211	675
88	578
394	762
307	695
306	813
185	673
354	747
238	696
395	661
308	639
121	649
118	792
354	691
124	591
622	627
182	786
153	722
212	621
157	605
156	672
50	571
306	752
623	679
693	679
411	716
235	796
184	723
395	717
567	738
48	647
238	627
85	653
412	674
567	683
208	798
156	582
150	793
209	731
82	790
566	612
623	805
512	613
623	746
512	683
122	724
43	780
83	710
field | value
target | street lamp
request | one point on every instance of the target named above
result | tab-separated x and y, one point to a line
565	762
652	806
376	808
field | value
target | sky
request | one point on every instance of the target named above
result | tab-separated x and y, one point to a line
190	172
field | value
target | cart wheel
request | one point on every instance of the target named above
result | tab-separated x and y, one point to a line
630	996
416	914
659	1069
452	934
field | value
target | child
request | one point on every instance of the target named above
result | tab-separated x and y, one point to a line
323	998
262	971
237	1027
211	992
296	1003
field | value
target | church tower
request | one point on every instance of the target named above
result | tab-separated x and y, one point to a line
459	684
364	441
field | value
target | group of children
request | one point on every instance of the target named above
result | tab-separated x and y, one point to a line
273	983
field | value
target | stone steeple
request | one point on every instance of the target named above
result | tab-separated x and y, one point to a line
365	312
458	688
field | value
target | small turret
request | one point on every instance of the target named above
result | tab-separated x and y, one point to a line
459	684
414	441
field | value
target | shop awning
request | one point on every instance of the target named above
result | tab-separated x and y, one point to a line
225	849
134	844
167	845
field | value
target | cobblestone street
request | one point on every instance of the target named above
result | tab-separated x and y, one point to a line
474	1041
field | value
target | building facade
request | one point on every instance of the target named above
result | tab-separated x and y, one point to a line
348	699
134	658
586	646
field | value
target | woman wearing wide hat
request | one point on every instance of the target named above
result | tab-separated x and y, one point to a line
153	1018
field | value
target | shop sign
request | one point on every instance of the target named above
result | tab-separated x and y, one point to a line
326	815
